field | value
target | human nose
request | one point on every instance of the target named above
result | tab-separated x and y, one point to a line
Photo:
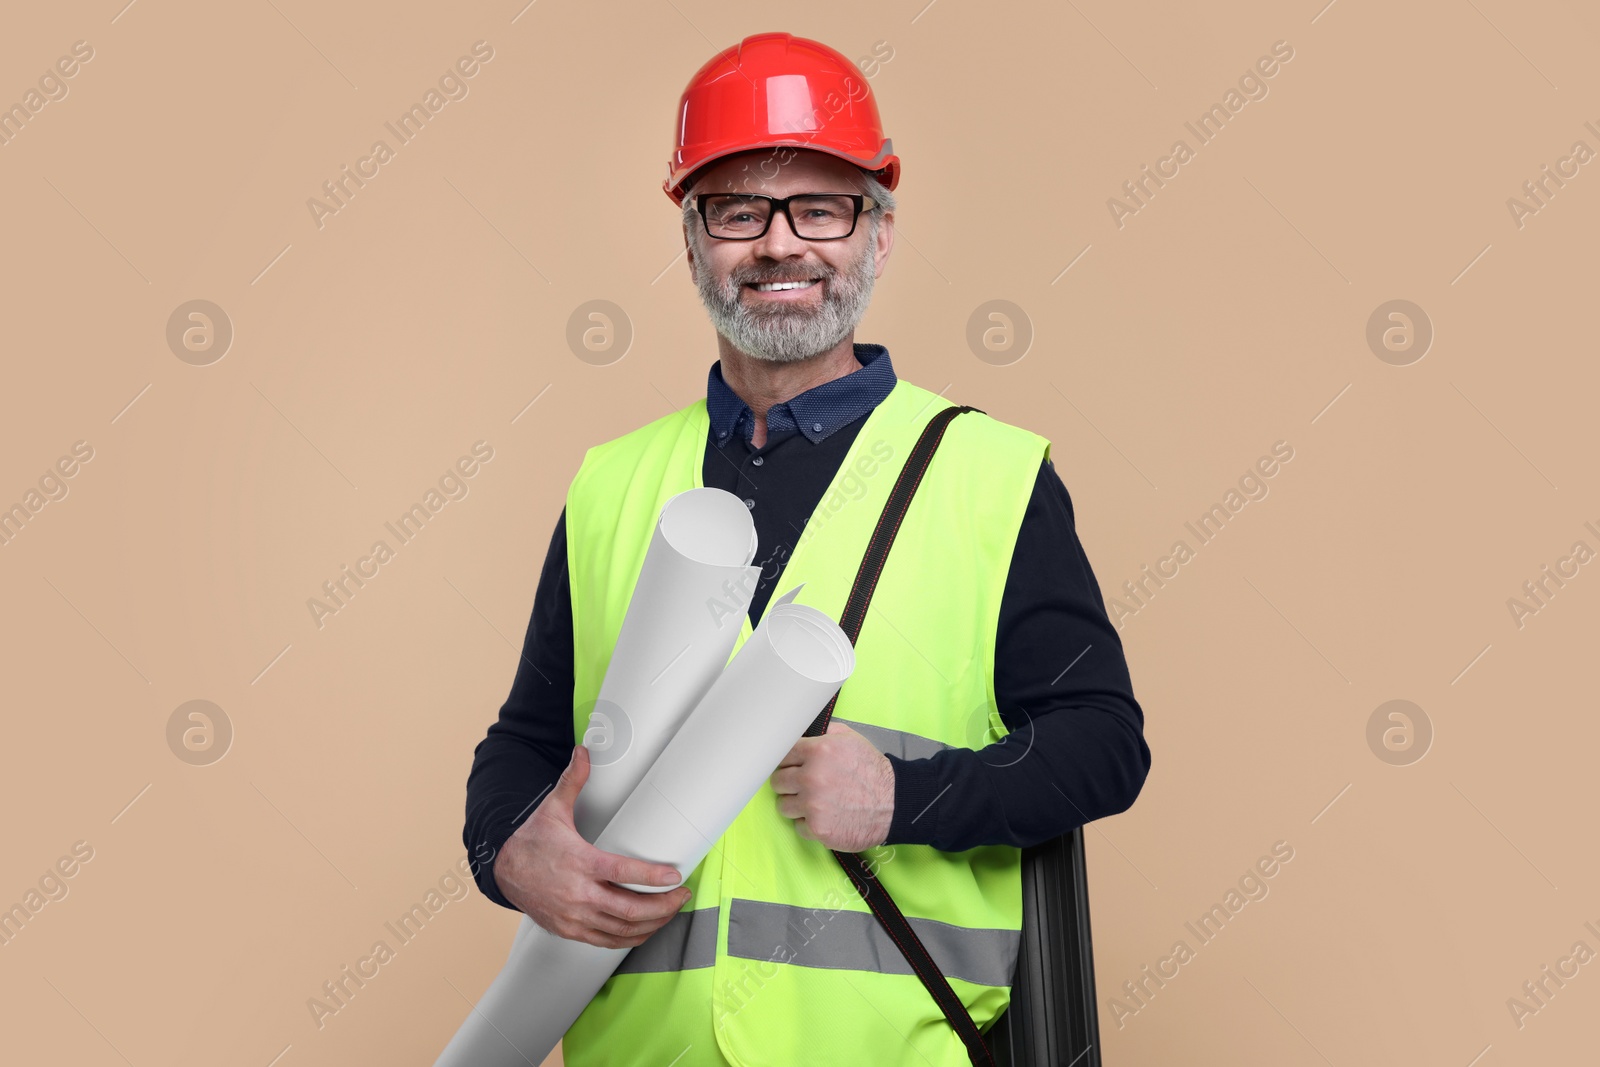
780	240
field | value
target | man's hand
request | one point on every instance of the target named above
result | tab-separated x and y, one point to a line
838	789
563	883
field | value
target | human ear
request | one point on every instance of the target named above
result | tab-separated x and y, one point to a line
688	244
885	242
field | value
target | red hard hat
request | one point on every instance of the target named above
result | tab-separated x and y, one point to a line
777	89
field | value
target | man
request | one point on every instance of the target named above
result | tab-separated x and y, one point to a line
986	621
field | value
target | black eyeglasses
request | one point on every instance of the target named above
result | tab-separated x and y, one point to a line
812	216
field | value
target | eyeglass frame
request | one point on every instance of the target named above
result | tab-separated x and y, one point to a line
776	204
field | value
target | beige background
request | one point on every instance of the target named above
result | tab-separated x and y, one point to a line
1230	312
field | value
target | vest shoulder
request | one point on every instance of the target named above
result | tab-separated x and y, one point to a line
623	453
981	428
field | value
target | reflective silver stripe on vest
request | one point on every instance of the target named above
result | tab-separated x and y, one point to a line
896	742
853	940
688	940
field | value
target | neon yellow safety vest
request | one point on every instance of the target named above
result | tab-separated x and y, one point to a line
774	960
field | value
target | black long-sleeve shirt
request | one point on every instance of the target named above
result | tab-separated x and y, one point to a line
1075	752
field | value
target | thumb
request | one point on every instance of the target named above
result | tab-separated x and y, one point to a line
565	794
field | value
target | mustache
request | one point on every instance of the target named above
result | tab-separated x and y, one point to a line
749	277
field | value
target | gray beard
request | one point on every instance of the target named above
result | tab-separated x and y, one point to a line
781	334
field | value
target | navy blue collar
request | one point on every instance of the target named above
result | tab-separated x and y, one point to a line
817	412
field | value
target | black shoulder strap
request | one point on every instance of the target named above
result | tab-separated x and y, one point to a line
855	612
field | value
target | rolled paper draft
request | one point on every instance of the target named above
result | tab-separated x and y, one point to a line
683	620
781	679
698	556
758	707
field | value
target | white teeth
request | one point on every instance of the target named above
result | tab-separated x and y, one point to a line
772	287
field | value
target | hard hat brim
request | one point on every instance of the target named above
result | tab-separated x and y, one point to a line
885	165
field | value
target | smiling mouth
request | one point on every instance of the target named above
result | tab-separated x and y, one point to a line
779	287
